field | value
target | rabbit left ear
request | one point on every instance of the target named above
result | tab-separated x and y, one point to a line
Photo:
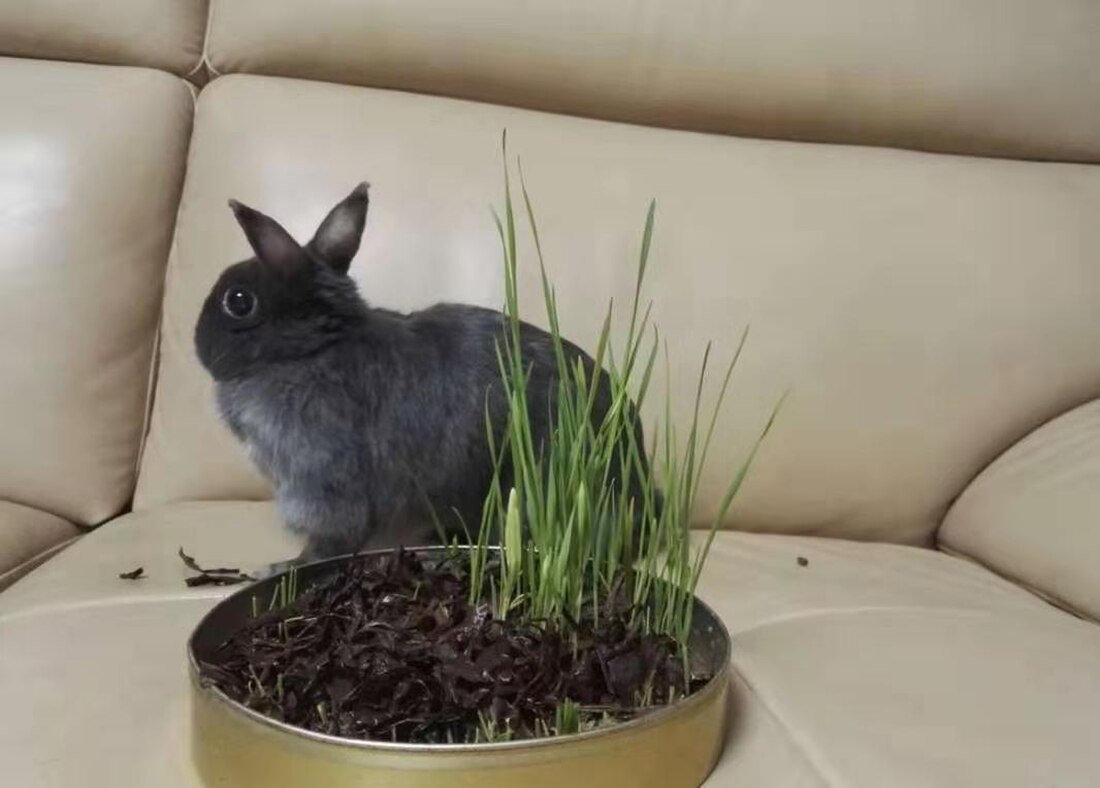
272	244
337	239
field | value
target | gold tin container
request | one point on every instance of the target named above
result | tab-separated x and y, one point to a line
235	747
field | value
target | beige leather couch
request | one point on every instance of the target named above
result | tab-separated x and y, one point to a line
902	198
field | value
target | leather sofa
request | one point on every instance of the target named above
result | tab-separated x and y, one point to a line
900	198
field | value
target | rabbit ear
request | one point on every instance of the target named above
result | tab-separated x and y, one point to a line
337	239
271	243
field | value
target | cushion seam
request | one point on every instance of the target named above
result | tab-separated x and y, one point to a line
856	610
57	608
799	745
1051	599
28	565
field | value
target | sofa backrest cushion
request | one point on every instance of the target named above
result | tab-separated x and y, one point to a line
994	77
166	34
925	311
1034	514
91	164
27	536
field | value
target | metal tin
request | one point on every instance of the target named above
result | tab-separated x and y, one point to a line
236	747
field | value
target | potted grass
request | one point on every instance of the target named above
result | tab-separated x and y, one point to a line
563	641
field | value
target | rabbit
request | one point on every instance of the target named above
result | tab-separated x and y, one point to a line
369	423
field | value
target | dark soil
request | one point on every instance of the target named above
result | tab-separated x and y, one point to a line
133	574
388	648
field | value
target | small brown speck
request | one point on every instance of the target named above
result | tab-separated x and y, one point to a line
803	561
136	574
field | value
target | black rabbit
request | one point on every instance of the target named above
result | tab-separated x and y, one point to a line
365	420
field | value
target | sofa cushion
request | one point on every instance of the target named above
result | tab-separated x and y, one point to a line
897	666
914	697
985	77
27	537
91	162
1034	514
830	658
924	310
165	34
224	533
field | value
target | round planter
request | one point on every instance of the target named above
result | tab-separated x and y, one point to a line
672	747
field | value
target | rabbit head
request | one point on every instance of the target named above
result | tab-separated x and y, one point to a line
289	301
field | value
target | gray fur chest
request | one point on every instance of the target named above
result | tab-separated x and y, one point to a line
279	429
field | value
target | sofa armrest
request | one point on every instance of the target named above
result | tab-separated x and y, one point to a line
27	538
1034	514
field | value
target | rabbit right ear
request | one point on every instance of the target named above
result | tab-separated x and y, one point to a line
272	244
337	239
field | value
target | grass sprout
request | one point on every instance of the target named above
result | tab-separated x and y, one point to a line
572	540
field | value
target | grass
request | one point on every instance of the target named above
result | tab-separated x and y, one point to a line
284	594
571	538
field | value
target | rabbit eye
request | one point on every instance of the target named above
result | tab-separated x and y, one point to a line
239	303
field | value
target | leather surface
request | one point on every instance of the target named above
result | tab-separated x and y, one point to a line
1034	514
226	533
924	311
26	535
166	34
91	162
912	697
926	656
889	665
993	77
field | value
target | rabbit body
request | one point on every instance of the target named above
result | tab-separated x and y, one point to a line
370	424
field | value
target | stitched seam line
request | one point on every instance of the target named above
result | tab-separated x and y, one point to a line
800	746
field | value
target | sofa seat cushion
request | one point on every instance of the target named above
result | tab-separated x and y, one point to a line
229	533
898	666
919	697
27	538
869	665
